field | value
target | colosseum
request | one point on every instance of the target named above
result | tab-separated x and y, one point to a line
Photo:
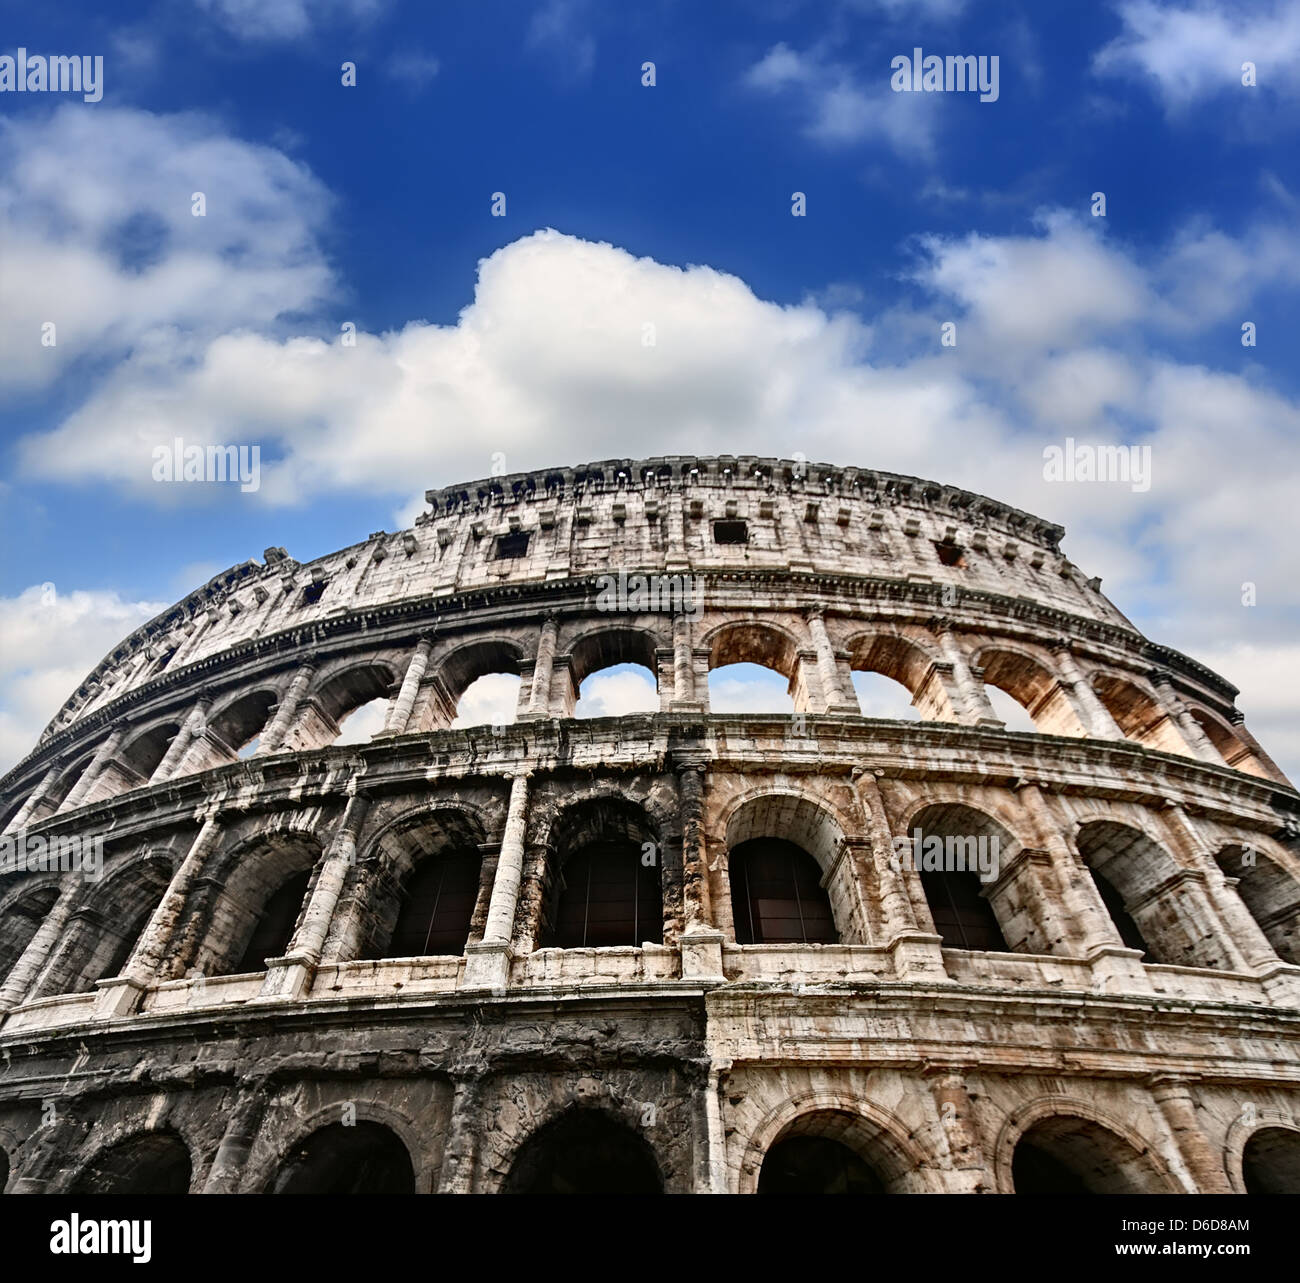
683	950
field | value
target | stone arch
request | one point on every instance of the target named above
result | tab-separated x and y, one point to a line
22	911
142	755
253	887
584	1150
64	783
1235	752
908	662
231	727
365	1157
607	646
1103	1154
1138	714
1270	893
148	1162
963	853
760	824
444	841
1250	1122
597	888
455	671
337	695
1166	903
1270	1161
876	1135
1032	685
763	643
103	932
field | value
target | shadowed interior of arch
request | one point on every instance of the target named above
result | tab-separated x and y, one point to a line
156	1163
827	1151
584	1152
20	923
1270	1161
1270	894
1068	1155
362	1158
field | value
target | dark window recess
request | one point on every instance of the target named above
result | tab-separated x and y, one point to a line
274	928
609	898
950	554
439	904
1037	1171
777	896
815	1165
1120	916
514	544
962	916
126	946
730	532
312	593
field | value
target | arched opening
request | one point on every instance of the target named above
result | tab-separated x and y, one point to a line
348	708
143	755
232	733
490	700
62	786
1138	715
437	907
754	669
1166	912
1234	751
1026	695
584	1152
881	662
959	852
604	890
883	697
425	904
777	895
1068	1155
779	848
274	927
1270	1162
613	673
1129	932
815	1165
829	1151
155	1163
365	1158
252	916
1271	895
20	923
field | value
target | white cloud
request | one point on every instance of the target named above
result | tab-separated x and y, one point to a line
49	641
272	20
618	691
412	69
490	700
1196	51
837	107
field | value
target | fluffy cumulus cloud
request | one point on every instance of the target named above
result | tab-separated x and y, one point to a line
1194	51
265	21
49	641
573	350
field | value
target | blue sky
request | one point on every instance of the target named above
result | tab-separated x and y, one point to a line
671	205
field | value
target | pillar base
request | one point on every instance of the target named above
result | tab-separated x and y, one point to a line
702	954
487	966
288	977
1118	970
917	955
1281	982
117	997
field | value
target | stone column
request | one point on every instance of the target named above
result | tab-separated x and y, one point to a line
975	708
957	1118
683	663
102	754
278	727
1179	1112
1245	934
487	964
237	1140
191	728
121	995
48	934
539	696
460	1150
400	711
833	698
291	976
917	953
1190	729
701	941
1094	715
34	799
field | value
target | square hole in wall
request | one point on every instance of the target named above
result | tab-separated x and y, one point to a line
730	532
949	554
515	544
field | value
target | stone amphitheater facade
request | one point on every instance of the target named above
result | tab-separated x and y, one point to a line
229	1001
